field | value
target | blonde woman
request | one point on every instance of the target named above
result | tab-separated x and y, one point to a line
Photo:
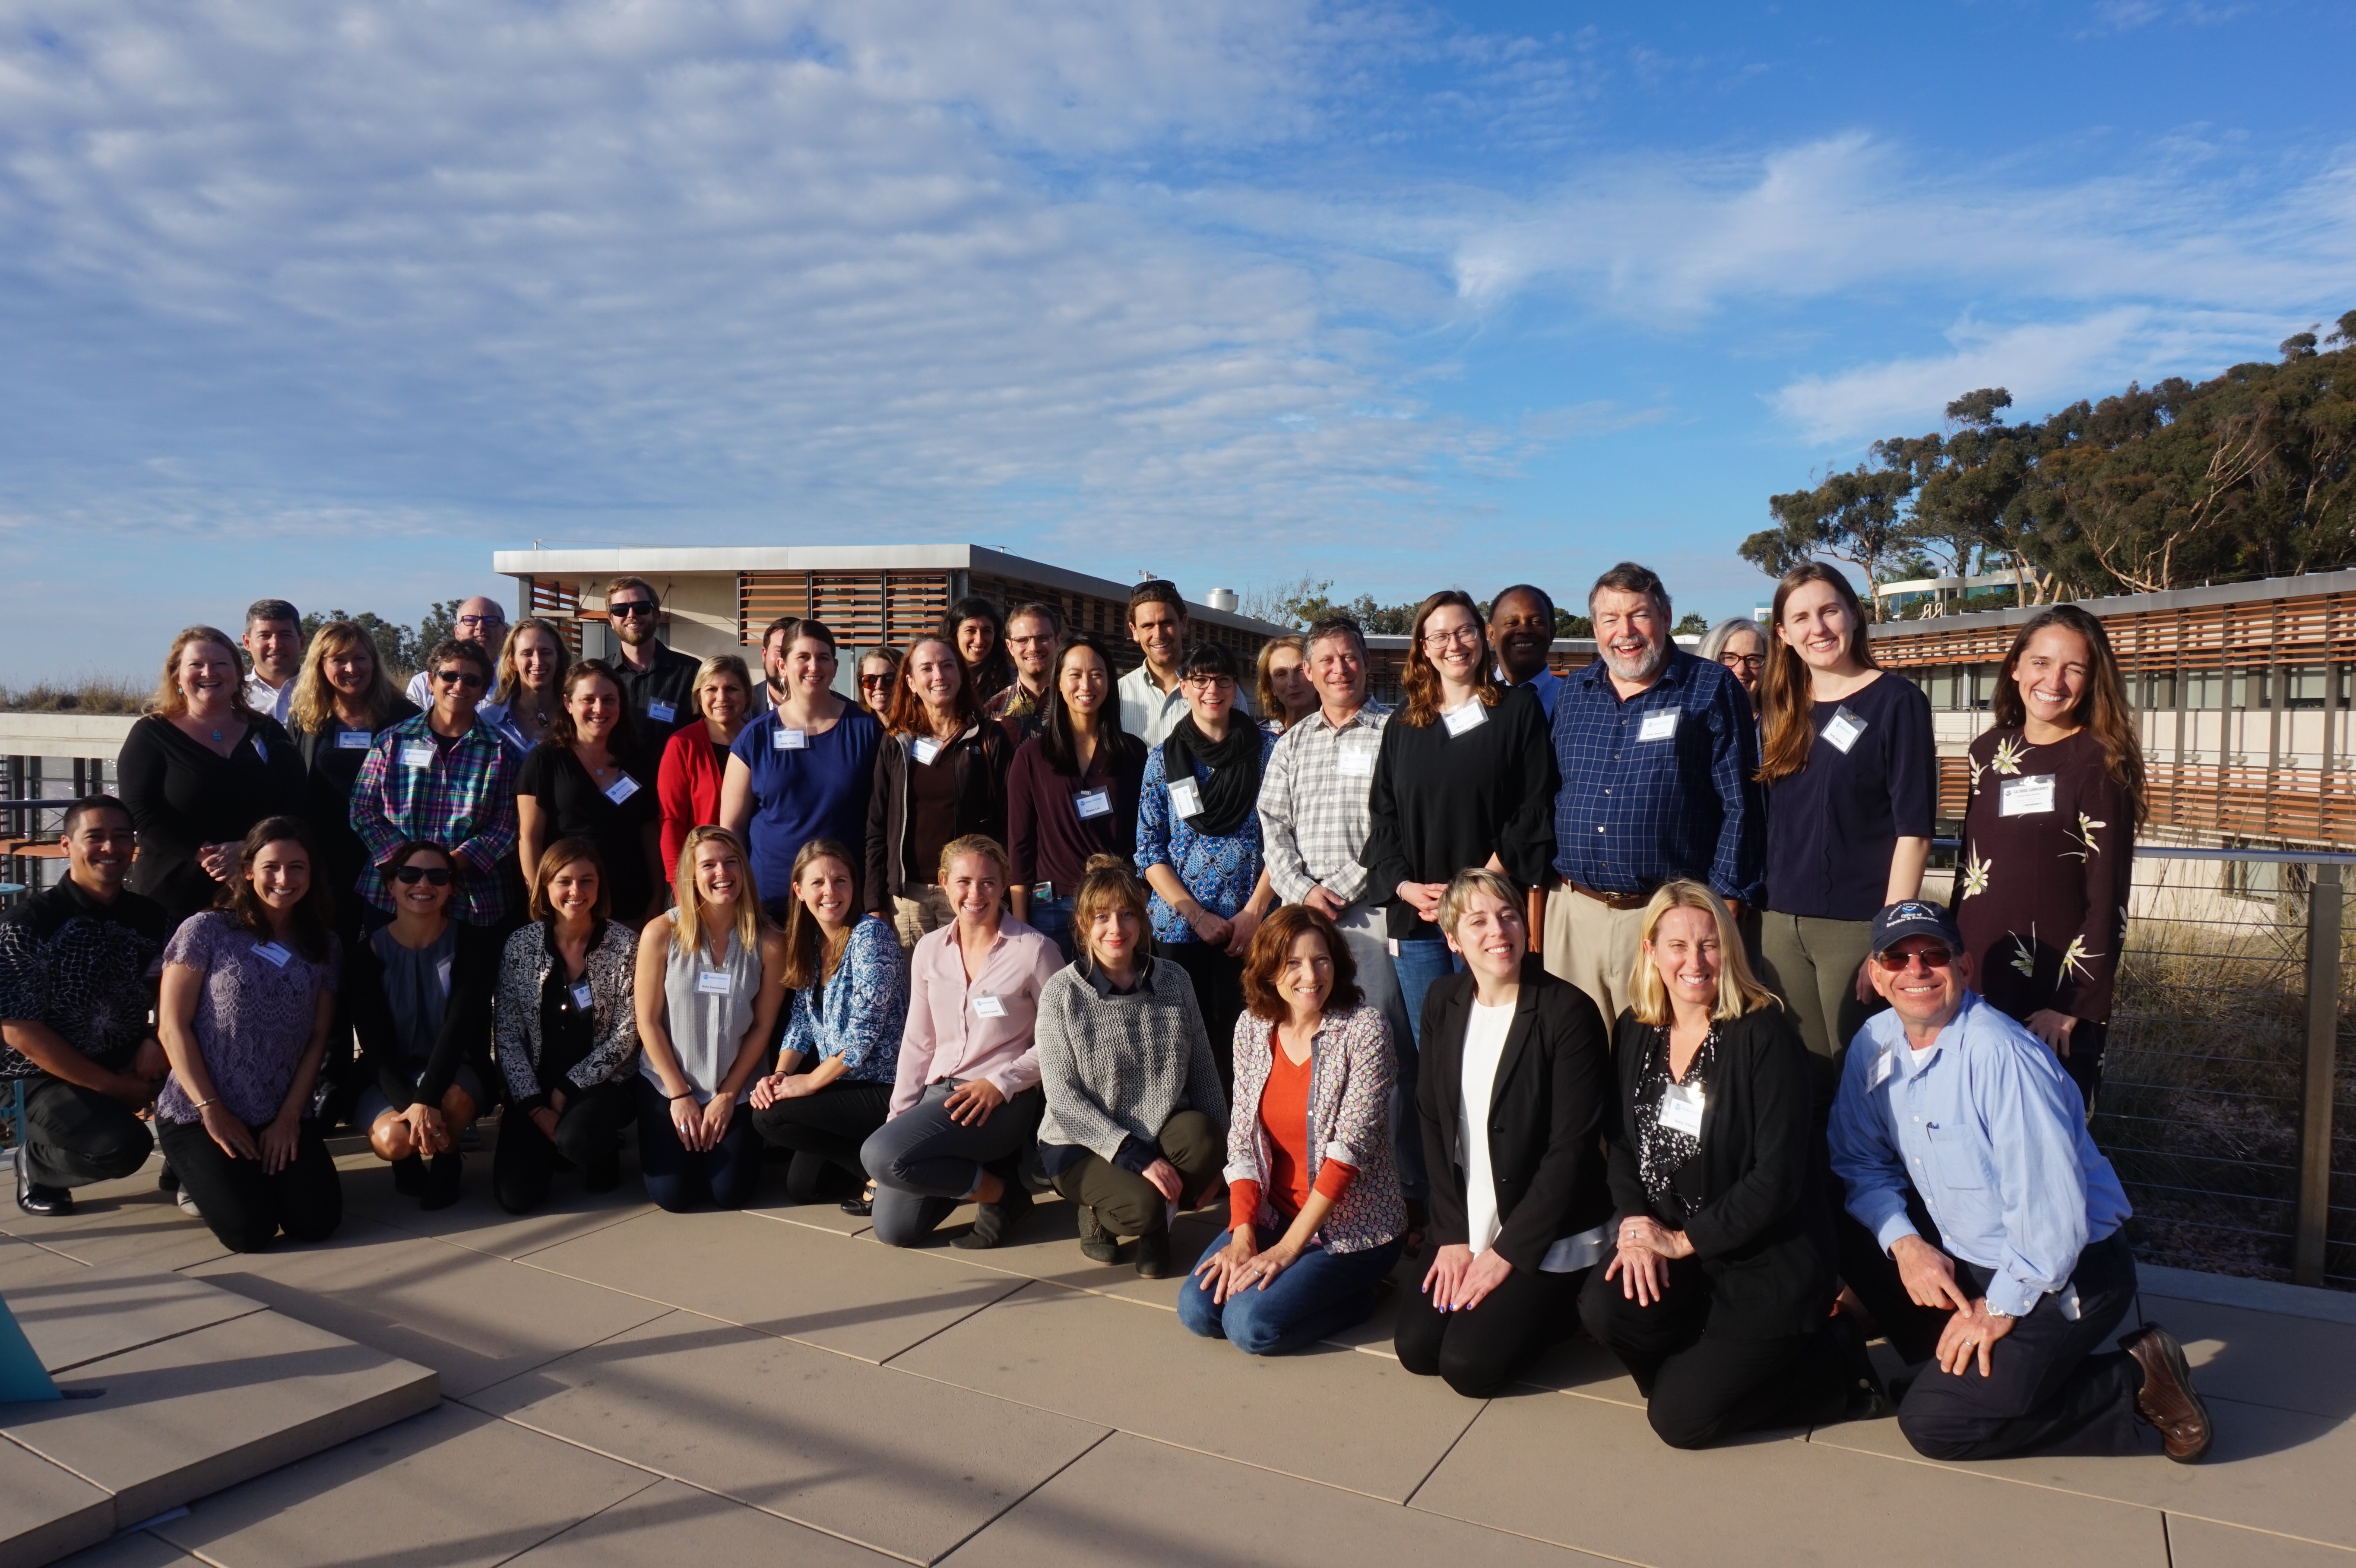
1717	1294
528	694
1283	690
695	760
711	976
343	699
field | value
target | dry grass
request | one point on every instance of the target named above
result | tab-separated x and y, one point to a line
90	694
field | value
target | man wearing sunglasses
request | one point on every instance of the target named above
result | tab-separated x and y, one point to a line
658	682
443	777
1983	1230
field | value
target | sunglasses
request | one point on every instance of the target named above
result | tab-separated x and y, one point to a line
876	679
632	608
432	875
460	678
1898	963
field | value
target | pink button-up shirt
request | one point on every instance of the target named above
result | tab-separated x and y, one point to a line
956	1029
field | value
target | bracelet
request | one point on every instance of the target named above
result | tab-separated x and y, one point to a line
682	1094
201	1104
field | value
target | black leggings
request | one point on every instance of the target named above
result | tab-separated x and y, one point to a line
587	1133
245	1207
1478	1352
823	1129
725	1176
1219	993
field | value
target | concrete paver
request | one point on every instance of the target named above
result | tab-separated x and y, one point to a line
119	1221
669	1522
2198	1543
2263	1357
74	1312
46	1511
475	1221
133	1548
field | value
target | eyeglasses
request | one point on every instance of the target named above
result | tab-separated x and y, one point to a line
1753	662
1932	958
1462	637
1208	683
432	875
630	609
466	678
482	620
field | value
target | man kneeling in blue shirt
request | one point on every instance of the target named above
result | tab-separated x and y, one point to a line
1986	1236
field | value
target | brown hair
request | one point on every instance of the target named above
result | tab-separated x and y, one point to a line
511	680
2104	709
906	714
622	739
1264	962
169	702
314	707
555	857
1480	880
315	912
1422	682
687	918
1787	712
1109	880
811	957
1738	991
1271	708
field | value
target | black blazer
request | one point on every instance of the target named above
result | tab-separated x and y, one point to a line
1755	1191
465	1017
1547	1113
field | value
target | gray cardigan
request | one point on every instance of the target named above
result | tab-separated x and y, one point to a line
1117	1068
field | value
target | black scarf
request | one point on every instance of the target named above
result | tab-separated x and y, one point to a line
1234	786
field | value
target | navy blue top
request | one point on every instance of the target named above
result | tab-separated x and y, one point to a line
1833	825
819	791
1659	785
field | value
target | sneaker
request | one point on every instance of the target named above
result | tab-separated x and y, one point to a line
997	1221
188	1205
443	1179
1097	1243
2167	1399
409	1177
1153	1255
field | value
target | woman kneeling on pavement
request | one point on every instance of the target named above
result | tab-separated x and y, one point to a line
1717	1301
1315	1215
1135	1111
710	977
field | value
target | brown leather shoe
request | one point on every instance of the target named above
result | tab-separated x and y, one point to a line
2167	1399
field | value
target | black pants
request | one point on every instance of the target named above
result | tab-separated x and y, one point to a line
1125	1203
725	1176
1219	992
1700	1387
2047	1391
74	1135
825	1129
246	1208
587	1130
2084	1062
1478	1352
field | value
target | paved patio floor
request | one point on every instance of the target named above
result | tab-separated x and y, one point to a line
623	1386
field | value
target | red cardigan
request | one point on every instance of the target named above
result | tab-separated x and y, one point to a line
688	786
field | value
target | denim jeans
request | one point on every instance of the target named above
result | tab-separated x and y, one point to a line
1052	918
1419	964
1320	1295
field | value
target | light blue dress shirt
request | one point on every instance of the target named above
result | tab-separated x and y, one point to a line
1991	1134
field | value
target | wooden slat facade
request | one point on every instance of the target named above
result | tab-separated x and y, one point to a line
560	603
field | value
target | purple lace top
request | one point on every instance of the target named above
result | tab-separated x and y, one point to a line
253	1016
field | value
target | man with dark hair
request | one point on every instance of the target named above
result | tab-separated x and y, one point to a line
273	640
1657	751
1035	635
1158	623
657	682
442	777
1520	628
78	971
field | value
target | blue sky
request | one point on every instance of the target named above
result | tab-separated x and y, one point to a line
331	301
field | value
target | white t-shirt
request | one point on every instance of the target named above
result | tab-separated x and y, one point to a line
1484	1043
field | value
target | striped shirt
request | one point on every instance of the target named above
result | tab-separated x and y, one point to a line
462	796
1312	804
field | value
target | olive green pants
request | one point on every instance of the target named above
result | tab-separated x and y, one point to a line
1812	964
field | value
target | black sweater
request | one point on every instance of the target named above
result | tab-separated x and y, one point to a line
182	794
330	770
1758	1219
1442	803
466	1033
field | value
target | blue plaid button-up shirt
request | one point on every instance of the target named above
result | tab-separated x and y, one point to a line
1647	796
464	800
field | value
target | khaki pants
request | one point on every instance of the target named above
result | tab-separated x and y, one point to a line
1812	964
1593	946
920	916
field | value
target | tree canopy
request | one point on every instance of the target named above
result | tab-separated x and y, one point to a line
401	648
2252	474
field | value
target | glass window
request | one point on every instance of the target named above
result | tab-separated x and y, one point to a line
2159	690
2303	686
2204	689
2248	689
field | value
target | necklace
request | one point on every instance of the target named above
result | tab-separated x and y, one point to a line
216	737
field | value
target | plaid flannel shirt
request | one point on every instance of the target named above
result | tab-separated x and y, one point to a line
1312	816
463	799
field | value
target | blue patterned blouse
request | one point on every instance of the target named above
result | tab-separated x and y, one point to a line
859	1012
1219	872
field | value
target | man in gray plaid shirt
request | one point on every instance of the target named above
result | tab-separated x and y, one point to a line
1313	819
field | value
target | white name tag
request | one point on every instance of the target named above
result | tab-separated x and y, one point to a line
271	954
2028	796
1681	1110
583	997
1354	762
990	1006
1878	1073
417	754
443	969
713	983
792	739
926	750
1185	798
1844	730
1472	716
1093	802
621	789
1658	726
662	712
353	740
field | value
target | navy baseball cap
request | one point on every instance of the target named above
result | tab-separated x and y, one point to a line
1915	917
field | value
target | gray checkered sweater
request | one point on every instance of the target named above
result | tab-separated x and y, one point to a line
1117	1068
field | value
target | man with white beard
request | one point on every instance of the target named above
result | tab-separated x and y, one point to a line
1657	751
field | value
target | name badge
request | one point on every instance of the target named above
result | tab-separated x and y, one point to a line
662	712
792	739
1658	726
990	1006
1093	802
713	983
354	741
271	954
1844	730
1354	762
2029	797
1681	1110
583	997
926	750
1185	798
621	789
1878	1073
417	754
1472	716
443	969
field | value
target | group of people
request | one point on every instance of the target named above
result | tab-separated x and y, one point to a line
1609	996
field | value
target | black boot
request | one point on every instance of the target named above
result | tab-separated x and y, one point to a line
1153	1255
443	1179
997	1221
409	1176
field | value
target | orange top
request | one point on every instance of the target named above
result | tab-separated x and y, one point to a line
1284	1114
